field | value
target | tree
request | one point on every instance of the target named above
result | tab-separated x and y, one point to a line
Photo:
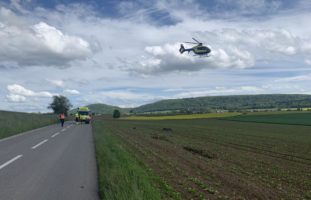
116	114
60	104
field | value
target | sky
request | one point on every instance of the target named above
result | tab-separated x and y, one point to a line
125	53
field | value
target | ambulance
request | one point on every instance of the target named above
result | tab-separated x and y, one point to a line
83	115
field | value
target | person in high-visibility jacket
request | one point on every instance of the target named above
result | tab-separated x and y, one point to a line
77	117
62	119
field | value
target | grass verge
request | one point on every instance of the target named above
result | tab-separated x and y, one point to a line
121	175
12	123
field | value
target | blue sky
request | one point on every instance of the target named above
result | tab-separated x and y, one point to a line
125	53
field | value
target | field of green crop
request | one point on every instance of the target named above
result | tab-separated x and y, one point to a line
206	158
12	123
294	118
190	116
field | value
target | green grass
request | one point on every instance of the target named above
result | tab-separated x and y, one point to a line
121	175
296	118
190	116
12	123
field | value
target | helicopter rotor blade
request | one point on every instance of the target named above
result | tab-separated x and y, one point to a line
196	40
191	42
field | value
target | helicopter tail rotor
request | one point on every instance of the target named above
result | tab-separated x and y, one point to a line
182	49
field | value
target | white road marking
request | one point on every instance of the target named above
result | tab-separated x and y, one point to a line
63	130
40	143
10	161
21	134
55	134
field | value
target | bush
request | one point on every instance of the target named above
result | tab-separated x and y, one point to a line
116	114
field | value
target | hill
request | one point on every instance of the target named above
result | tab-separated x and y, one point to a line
103	109
230	103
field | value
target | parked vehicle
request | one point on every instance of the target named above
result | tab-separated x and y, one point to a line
83	115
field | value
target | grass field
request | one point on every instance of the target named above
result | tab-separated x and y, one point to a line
298	118
209	158
12	123
190	116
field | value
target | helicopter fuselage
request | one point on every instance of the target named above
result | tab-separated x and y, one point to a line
198	50
201	50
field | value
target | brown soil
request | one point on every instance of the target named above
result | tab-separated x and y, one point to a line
198	172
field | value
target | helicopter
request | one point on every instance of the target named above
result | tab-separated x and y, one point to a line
199	49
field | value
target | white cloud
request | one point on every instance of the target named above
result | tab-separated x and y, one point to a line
246	7
55	41
73	92
306	77
16	98
126	95
219	90
166	58
22	99
235	44
59	83
136	51
16	89
17	5
308	62
38	44
273	40
123	98
19	90
306	47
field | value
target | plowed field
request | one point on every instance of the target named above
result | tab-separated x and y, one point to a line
218	159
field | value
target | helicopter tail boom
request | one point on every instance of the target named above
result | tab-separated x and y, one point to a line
182	49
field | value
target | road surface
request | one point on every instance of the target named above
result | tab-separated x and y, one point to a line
50	163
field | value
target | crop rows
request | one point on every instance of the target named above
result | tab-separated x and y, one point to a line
216	159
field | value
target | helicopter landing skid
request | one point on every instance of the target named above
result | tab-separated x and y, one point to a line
201	56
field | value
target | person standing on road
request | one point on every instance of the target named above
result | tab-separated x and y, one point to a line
77	117
62	118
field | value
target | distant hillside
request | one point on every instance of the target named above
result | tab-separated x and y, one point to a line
103	109
231	103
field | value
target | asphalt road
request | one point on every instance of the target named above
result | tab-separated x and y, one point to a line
50	163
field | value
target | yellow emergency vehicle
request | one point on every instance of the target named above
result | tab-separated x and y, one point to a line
83	115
